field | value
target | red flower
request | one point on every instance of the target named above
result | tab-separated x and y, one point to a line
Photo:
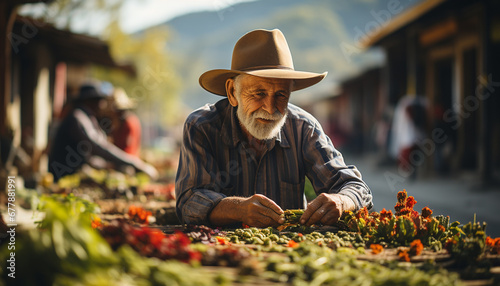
182	238
156	237
195	256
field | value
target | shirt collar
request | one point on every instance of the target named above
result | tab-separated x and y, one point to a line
232	134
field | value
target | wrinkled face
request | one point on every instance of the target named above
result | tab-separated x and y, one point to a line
262	103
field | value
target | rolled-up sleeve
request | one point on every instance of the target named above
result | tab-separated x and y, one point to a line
196	187
327	170
195	205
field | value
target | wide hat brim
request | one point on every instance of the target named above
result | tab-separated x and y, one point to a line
214	81
262	53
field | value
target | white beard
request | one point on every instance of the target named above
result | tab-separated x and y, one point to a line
262	131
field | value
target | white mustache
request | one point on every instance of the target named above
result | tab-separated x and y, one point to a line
264	115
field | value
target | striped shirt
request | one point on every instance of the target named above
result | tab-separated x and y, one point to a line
216	161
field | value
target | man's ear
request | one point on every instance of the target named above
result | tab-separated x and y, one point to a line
230	92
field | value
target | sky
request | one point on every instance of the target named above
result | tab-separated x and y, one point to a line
136	14
139	14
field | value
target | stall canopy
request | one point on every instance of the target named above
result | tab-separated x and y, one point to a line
71	47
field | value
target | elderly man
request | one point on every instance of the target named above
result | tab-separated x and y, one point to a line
245	158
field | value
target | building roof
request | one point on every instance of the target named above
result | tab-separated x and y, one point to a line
401	21
70	47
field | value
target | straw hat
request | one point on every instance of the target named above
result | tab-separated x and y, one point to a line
262	53
121	100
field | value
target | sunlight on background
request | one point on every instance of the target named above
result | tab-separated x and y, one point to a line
138	15
379	55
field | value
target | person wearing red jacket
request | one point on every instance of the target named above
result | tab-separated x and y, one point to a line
127	134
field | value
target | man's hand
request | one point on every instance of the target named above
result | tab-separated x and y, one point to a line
260	211
257	210
326	209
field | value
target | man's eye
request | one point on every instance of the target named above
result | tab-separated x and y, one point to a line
261	94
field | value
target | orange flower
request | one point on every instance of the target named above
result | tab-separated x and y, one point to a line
96	222
402	196
398	207
404	206
292	243
221	241
385	215
404	211
416	247
426	212
376	248
493	244
450	243
138	214
410	202
362	213
403	255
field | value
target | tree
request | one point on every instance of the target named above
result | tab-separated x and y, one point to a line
76	15
156	86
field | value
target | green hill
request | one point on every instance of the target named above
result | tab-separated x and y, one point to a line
321	35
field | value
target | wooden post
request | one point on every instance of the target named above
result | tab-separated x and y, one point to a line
7	17
486	159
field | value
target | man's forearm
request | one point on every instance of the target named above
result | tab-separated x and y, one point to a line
227	211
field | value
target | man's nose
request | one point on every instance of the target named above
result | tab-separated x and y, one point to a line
269	104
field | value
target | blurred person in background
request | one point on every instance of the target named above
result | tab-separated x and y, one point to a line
80	139
127	131
245	158
408	129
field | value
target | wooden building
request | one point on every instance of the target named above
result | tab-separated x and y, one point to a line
449	52
347	110
44	68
